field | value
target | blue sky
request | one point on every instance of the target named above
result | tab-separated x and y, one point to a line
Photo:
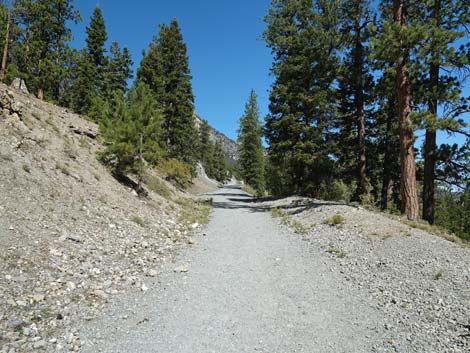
226	54
227	57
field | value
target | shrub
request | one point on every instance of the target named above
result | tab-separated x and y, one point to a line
335	220
138	220
335	191
335	251
157	185
177	171
249	189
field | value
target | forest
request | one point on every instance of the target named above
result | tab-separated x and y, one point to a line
365	99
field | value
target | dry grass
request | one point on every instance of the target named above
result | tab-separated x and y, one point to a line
335	220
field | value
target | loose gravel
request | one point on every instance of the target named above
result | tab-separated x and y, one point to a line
247	285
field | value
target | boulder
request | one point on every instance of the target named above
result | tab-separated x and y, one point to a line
20	85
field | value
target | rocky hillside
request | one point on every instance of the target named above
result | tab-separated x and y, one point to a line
419	281
230	146
71	235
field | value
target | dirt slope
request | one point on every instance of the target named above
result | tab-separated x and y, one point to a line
71	236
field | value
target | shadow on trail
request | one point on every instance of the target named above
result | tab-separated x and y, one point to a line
241	200
236	206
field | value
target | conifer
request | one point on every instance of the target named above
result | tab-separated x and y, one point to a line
251	162
166	70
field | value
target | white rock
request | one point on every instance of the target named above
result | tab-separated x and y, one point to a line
182	268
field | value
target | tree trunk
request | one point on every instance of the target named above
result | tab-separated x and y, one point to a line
430	143
359	108
5	48
40	93
408	192
387	181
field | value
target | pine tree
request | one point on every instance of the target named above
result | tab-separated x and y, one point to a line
204	145
398	41
165	69
82	92
91	84
132	128
251	149
43	43
445	22
386	137
303	36
96	40
219	165
356	84
118	70
5	30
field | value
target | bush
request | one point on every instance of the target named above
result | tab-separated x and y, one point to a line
176	171
335	220
335	191
157	185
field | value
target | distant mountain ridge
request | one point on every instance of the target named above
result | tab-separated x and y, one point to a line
229	146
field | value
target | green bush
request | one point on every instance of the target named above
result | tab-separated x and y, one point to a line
176	171
335	191
335	220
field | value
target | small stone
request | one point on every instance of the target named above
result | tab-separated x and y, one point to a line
152	273
100	294
194	225
144	288
38	297
39	344
21	303
182	269
15	323
191	241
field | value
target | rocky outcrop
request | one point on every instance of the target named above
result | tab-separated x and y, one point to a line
230	146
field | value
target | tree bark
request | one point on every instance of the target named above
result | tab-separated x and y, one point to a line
359	106
40	93
387	181
430	142
408	191
5	48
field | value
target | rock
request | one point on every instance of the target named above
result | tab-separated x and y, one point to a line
15	323
152	273
191	241
100	294
39	344
182	269
144	288
20	85
194	225
38	297
89	131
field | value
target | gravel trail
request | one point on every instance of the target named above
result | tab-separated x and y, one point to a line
250	286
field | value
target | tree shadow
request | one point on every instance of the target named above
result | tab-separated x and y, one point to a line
128	182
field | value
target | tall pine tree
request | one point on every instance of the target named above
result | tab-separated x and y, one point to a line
45	34
303	36
251	162
356	84
446	22
90	71
165	69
